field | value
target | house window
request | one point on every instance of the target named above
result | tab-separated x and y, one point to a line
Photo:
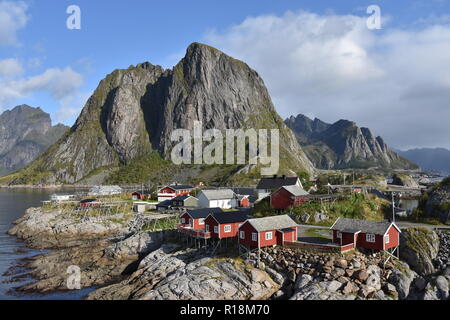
388	239
269	235
370	238
183	221
242	234
201	222
216	229
254	237
207	228
339	235
227	229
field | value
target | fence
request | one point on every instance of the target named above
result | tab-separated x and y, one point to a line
321	247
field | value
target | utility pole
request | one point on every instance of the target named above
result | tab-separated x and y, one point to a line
393	207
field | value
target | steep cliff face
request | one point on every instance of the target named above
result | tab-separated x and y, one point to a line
134	111
344	145
25	132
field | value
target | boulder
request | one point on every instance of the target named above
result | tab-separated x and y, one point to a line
402	278
442	286
361	275
349	288
320	216
419	247
331	286
305	218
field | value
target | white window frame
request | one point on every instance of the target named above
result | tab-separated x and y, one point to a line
339	235
254	236
216	229
242	235
207	228
370	237
183	221
227	228
388	239
269	236
201	222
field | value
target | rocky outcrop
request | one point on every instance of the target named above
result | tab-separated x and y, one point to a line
404	180
25	132
419	247
134	111
438	203
344	145
173	274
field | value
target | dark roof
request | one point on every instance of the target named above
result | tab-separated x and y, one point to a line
287	230
203	213
364	226
181	198
274	183
89	201
179	186
165	203
231	216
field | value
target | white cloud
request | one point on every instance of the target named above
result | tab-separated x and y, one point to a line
330	66
10	67
13	17
60	84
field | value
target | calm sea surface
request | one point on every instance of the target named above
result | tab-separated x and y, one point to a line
13	204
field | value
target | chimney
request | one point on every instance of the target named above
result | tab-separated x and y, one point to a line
275	176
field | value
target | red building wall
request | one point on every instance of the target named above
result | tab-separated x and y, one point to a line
211	222
394	236
195	222
244	203
283	199
247	241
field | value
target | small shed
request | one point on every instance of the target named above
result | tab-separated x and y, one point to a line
136	196
185	201
374	235
140	206
89	203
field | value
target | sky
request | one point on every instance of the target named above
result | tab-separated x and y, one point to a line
317	57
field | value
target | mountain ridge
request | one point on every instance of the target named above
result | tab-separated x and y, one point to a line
25	132
344	145
133	112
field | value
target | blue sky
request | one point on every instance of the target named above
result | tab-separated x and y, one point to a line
116	34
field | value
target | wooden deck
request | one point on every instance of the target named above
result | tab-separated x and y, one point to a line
200	234
320	246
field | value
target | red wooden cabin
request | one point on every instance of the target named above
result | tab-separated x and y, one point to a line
172	191
270	231
195	219
374	235
244	201
138	196
225	224
287	197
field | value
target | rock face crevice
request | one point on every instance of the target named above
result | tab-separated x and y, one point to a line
134	112
344	145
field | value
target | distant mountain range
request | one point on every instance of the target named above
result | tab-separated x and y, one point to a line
344	145
25	132
432	159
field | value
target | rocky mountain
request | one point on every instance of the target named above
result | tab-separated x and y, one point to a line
344	145
25	132
432	159
133	112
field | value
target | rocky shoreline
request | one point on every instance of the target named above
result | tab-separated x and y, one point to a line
116	255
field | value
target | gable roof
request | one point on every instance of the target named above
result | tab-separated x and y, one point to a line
202	213
219	194
178	186
272	223
274	183
364	226
295	190
230	216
